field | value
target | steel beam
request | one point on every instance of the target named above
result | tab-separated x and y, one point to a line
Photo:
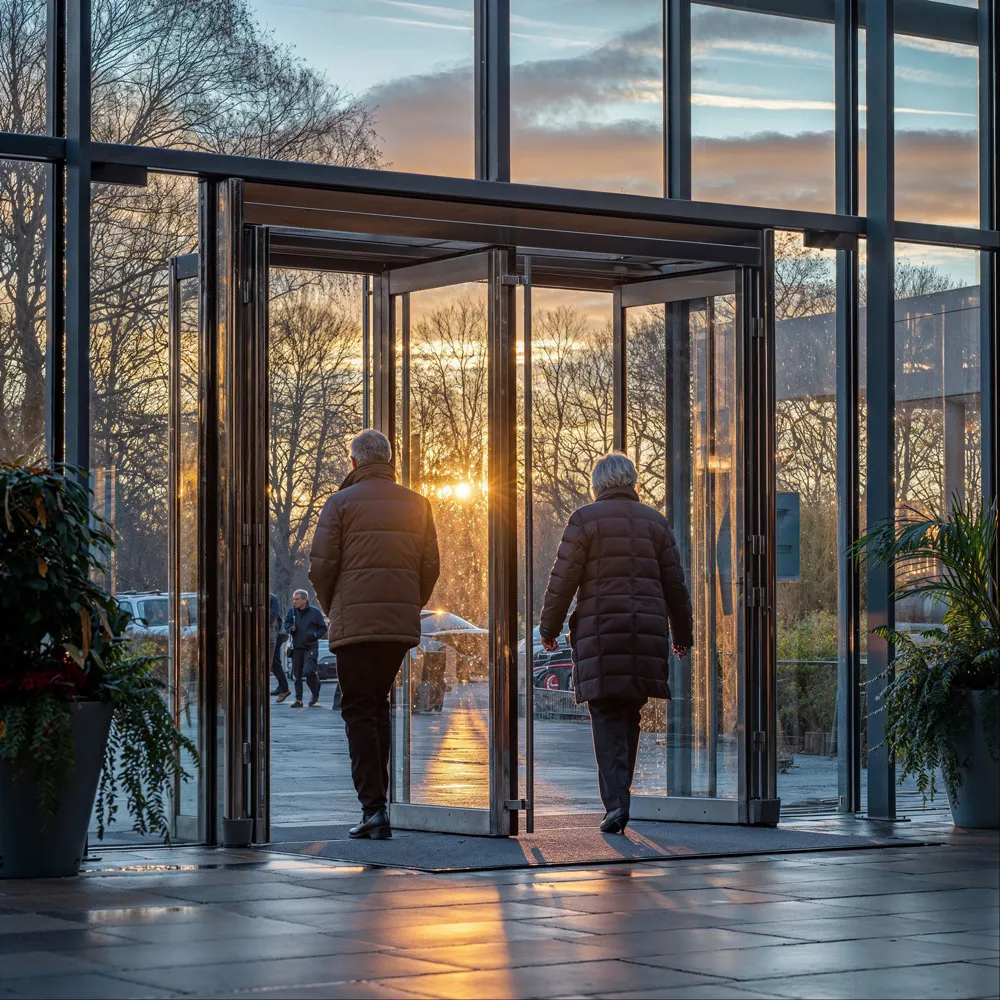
848	413
677	97
881	383
55	236
78	164
492	89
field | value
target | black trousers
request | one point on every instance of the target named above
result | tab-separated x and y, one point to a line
615	724
277	670
366	672
304	664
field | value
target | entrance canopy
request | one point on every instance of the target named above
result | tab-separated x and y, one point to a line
371	233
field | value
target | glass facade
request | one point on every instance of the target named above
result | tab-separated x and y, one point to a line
103	357
586	93
762	109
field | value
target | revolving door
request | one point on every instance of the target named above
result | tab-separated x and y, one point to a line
458	370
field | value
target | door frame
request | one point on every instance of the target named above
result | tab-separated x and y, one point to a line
496	266
234	269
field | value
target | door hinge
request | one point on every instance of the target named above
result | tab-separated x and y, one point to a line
246	753
755	543
760	740
756	326
757	597
512	279
515	804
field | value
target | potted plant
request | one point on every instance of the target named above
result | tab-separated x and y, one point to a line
941	699
81	716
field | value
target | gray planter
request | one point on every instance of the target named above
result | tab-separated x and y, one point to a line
30	850
978	805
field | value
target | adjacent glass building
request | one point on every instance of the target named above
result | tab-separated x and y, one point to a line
751	243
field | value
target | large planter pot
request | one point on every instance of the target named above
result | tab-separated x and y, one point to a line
29	849
978	804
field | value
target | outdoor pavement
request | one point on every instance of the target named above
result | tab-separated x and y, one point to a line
910	921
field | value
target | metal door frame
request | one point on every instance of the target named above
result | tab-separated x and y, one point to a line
496	266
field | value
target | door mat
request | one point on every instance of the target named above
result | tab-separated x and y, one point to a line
572	845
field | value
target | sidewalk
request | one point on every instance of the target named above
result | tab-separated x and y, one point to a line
909	921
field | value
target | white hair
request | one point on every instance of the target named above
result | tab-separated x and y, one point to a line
371	446
304	594
613	471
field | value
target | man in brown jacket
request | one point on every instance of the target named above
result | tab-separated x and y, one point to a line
374	563
620	560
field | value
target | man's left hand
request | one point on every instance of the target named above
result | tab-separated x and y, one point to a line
550	645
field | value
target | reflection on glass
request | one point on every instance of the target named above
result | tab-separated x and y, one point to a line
762	114
441	720
363	83
807	547
937	131
937	416
22	310
22	66
689	744
586	84
572	426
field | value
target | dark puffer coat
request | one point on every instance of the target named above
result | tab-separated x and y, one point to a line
620	555
374	559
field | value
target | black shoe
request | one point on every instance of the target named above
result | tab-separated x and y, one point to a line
614	821
314	703
297	703
282	696
374	827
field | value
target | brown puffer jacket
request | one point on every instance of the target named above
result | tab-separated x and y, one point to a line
620	555
374	559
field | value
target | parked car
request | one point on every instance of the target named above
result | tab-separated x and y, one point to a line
150	611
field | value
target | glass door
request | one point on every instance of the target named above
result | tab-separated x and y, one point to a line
445	397
680	383
185	389
692	351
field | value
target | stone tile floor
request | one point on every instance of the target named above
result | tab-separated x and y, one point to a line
910	922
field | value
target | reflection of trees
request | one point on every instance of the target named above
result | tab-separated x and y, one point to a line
315	400
171	72
448	457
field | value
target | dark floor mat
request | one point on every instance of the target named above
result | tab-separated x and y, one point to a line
572	844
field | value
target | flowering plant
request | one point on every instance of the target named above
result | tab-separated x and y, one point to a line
62	641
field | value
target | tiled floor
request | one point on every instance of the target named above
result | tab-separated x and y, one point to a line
913	921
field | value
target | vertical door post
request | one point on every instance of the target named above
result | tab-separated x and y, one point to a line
502	438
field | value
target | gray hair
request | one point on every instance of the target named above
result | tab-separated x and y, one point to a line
371	446
614	471
301	593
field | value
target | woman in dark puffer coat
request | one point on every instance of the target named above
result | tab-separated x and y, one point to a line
620	558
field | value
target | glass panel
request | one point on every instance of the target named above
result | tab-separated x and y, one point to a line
135	232
184	681
937	131
572	426
22	66
441	722
367	83
807	549
315	393
762	115
586	84
938	423
22	310
689	745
